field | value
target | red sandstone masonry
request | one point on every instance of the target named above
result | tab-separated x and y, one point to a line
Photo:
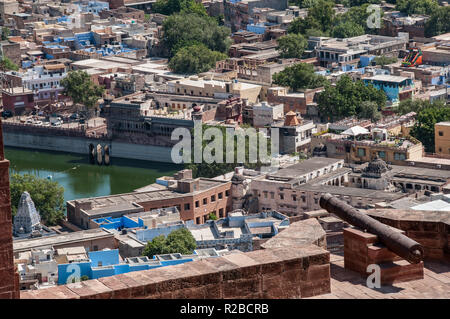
288	272
9	278
430	229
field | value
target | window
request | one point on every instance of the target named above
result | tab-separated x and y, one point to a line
100	263
382	154
197	203
399	156
227	193
221	213
441	133
281	196
361	152
213	198
220	195
205	201
95	248
294	198
187	206
197	220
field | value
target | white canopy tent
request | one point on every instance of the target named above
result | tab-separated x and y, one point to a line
355	131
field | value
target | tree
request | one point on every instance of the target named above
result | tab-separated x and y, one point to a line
212	216
438	23
347	29
169	7
7	65
79	87
369	110
410	105
48	196
323	12
304	3
5	33
410	7
356	15
184	29
292	46
427	117
195	59
299	76
384	60
346	98
179	241
320	17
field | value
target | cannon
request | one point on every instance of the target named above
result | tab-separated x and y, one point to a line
398	243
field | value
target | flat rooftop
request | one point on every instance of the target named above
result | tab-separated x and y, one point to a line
387	78
104	204
79	236
348	284
304	167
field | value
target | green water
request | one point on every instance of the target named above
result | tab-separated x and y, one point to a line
81	179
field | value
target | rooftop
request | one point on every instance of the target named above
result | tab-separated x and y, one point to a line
84	235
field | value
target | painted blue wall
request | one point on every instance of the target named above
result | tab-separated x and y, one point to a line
65	270
106	257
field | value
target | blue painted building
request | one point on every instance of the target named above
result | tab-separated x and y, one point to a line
396	87
106	263
92	6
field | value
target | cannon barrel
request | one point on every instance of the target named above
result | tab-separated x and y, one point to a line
400	244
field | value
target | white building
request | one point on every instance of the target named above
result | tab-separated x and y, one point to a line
265	114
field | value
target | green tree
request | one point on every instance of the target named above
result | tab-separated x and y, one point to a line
48	196
299	76
212	216
417	105
195	59
369	110
179	241
80	88
7	65
320	17
346	98
427	117
84	278
384	60
5	33
292	46
323	12
169	7
410	7
438	23
347	29
356	15
187	29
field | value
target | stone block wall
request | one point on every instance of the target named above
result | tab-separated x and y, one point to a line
430	229
285	272
9	278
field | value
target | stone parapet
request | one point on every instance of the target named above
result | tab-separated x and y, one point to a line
284	272
428	228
